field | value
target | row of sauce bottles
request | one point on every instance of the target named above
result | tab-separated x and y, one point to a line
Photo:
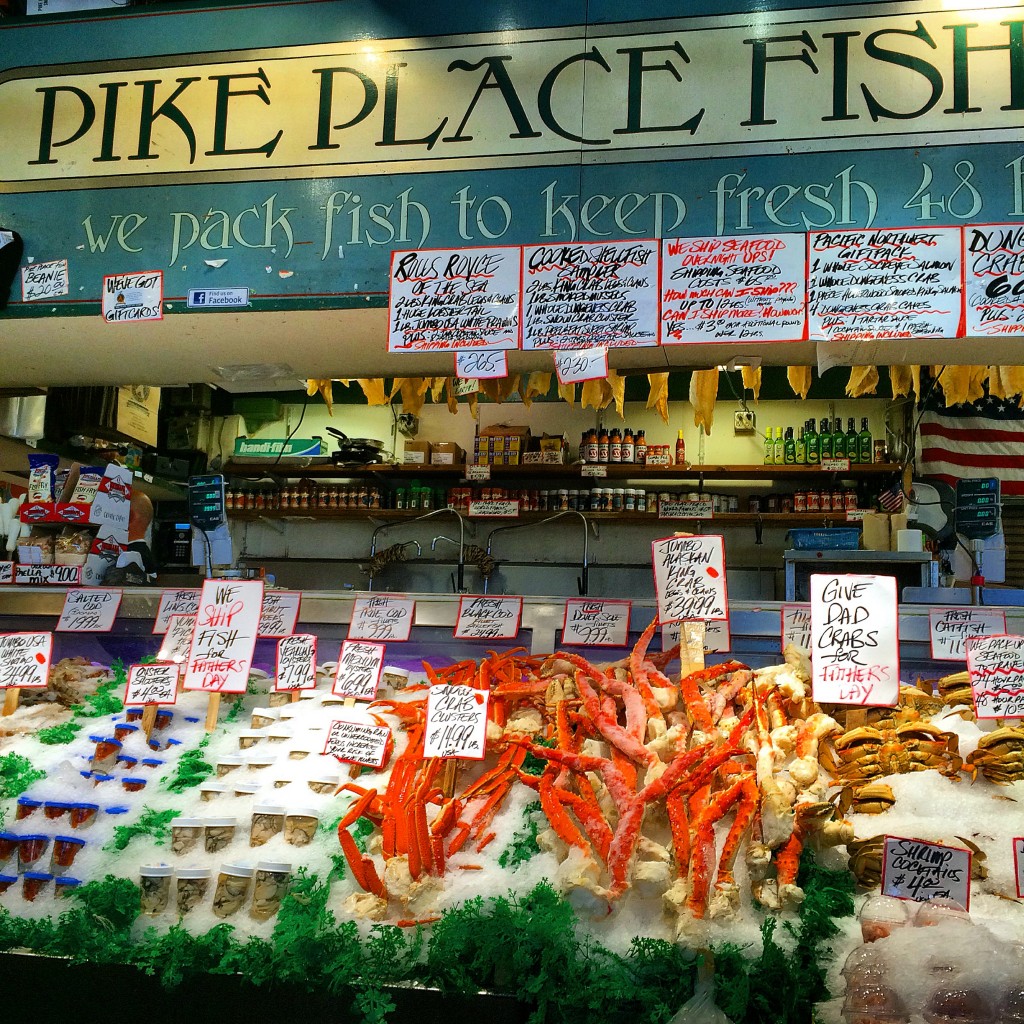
809	446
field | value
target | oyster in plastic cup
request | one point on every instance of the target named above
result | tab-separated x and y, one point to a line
267	822
228	764
938	911
155	888
264	717
325	782
132	783
211	790
278	733
298	753
277	700
185	833
246	788
122	729
164	717
396	678
30	849
133	714
282	782
220	833
250	737
270	884
33	883
882	915
65	850
261	761
288	712
191	888
54	809
300	825
329	700
232	889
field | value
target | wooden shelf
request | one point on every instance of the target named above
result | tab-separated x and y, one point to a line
614	471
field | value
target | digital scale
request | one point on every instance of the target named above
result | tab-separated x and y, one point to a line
206	502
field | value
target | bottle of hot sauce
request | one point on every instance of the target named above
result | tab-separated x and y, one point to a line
680	450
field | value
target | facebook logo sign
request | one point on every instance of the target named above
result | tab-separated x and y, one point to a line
207	298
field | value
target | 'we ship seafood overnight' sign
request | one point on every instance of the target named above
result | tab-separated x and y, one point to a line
996	667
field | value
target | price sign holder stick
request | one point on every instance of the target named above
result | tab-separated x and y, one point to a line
212	711
296	696
449	777
148	719
691	646
11	699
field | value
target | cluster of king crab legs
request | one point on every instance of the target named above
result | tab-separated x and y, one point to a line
638	775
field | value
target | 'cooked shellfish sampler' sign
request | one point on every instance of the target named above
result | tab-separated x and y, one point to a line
854	640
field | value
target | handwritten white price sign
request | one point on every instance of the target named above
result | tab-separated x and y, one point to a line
175	602
597	293
358	742
689	578
456	722
854	640
89	610
44	280
359	669
279	614
583	364
1018	865
381	618
450	299
25	660
48	575
296	663
950	628
717	636
481	365
600	623
225	636
488	618
994	258
178	639
996	667
796	626
495	509
152	684
6	572
703	509
913	869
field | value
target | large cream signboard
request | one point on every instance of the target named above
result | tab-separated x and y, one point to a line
699	86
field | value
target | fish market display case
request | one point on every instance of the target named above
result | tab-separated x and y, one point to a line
625	831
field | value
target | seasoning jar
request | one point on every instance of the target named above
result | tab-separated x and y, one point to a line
800	501
850	498
267	822
641	500
878	450
220	832
270	884
191	889
813	501
185	834
232	889
300	825
65	850
786	504
155	888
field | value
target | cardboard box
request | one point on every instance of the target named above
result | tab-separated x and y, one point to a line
875	533
446	453
897	521
416	453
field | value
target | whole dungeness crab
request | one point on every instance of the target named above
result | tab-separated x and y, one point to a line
1000	755
869	753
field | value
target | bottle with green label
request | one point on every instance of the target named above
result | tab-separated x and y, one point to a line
852	441
825	440
769	448
801	448
812	444
865	441
838	439
780	456
789	448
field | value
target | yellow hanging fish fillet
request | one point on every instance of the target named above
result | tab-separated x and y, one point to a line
799	378
900	380
453	399
863	381
995	383
915	374
1012	378
751	379
414	394
509	386
474	405
325	387
703	394
955	384
976	382
591	394
373	388
657	396
538	384
617	386
489	387
567	392
436	387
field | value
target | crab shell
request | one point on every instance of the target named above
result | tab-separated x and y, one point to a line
868	753
1000	754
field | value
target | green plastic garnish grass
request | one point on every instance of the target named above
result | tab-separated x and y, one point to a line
151	823
524	842
57	734
17	774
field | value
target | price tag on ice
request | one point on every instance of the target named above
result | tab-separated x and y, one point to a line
152	684
89	610
25	660
590	623
175	602
456	722
950	628
359	669
488	618
358	743
582	364
689	578
481	365
225	636
996	667
279	613
178	639
854	640
1018	865
796	626
913	869
296	663
381	618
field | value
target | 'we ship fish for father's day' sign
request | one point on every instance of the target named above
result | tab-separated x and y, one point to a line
225	636
689	578
854	640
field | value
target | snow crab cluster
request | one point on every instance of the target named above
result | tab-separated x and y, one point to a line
648	783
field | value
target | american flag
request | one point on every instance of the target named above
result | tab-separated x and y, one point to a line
891	499
972	440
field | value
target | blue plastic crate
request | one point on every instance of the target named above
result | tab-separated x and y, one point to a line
840	538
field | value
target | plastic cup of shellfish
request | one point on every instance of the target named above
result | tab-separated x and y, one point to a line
232	888
185	834
192	885
155	888
882	915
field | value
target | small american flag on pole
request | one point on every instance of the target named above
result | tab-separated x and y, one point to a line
973	440
891	499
